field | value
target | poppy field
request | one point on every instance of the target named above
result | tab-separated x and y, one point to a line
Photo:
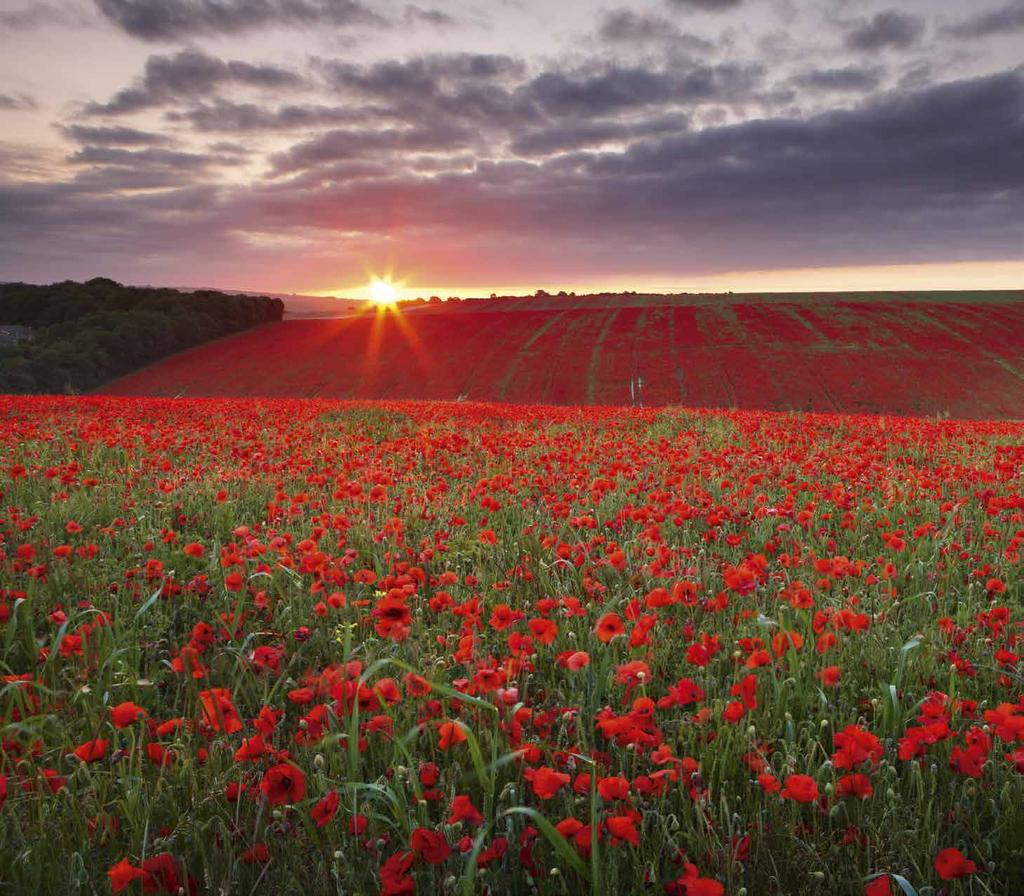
913	354
280	645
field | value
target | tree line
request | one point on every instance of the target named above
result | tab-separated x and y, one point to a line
84	334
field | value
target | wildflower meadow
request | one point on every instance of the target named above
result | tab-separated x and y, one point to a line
283	646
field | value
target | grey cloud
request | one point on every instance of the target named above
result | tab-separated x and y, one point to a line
561	137
191	73
424	74
339	145
147	158
998	21
937	154
16	102
436	17
226	117
709	5
616	88
37	15
851	78
115	136
624	26
165	20
885	29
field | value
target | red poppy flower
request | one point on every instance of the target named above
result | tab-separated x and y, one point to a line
283	783
855	785
162	876
125	714
546	782
449	734
325	809
880	886
219	711
950	864
92	750
800	789
122	874
613	788
462	809
430	845
623	827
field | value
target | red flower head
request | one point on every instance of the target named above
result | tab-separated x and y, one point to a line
125	714
92	750
283	783
547	782
325	809
464	810
430	845
609	626
951	864
219	711
122	874
800	789
880	886
449	734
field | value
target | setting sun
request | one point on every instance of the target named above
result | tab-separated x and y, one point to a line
383	292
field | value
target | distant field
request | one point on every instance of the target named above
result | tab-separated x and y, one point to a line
903	353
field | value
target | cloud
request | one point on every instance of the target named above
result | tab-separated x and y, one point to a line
148	158
885	29
624	26
40	15
112	136
709	5
16	102
560	137
905	176
616	89
353	144
436	17
167	20
998	21
851	78
423	75
226	117
191	73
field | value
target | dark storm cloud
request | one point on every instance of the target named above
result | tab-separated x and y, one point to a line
886	29
112	136
165	20
851	78
999	21
16	102
932	166
191	73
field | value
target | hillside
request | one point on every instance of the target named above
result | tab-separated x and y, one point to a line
922	354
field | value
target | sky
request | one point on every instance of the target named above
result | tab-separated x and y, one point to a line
476	146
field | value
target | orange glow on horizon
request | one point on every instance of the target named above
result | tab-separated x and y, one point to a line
964	275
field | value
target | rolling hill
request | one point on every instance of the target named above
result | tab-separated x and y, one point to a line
905	353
